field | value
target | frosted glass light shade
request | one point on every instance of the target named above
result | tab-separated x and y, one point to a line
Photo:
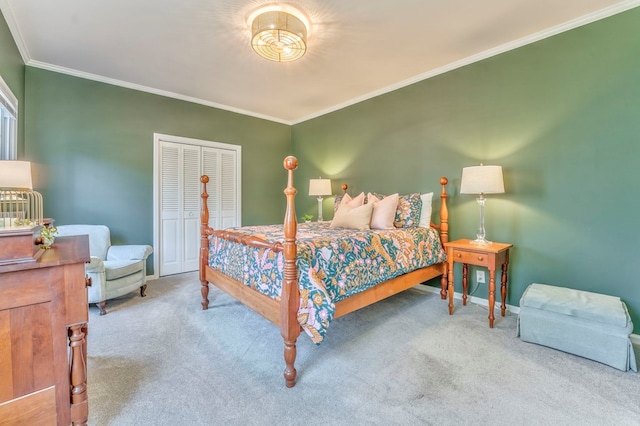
482	180
15	174
279	36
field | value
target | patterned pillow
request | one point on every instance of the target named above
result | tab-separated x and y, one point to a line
408	210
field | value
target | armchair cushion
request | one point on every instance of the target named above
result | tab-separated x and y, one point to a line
115	269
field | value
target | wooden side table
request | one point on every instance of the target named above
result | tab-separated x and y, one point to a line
490	257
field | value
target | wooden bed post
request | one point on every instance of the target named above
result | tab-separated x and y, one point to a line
204	243
290	297
444	233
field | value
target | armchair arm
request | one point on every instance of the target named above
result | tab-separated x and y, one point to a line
96	265
129	252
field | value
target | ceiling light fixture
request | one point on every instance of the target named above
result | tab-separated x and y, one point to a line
279	36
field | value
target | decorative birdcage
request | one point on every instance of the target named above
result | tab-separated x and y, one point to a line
20	205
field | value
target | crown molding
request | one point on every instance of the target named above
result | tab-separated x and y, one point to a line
549	32
5	7
7	12
152	90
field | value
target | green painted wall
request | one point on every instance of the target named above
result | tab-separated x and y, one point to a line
562	116
92	148
12	72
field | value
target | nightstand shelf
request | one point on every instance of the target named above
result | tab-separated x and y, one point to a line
490	257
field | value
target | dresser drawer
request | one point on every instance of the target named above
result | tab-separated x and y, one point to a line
479	259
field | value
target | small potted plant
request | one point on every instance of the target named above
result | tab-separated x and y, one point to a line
307	218
48	235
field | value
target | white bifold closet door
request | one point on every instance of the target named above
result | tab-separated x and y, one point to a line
181	166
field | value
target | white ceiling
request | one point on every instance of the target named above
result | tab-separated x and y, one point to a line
199	50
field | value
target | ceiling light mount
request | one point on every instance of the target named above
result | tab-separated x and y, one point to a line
279	36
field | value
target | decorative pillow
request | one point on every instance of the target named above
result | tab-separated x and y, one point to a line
353	217
351	202
384	211
426	211
408	210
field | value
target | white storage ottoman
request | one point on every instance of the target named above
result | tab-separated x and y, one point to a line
591	325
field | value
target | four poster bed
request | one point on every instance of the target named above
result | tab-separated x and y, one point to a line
301	276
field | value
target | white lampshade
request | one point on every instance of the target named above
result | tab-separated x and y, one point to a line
319	187
15	174
482	180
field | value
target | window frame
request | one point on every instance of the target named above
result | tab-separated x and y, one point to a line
8	123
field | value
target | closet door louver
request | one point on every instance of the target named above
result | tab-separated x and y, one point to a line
221	167
191	207
181	165
170	209
229	190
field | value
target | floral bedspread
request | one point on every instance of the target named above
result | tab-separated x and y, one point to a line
332	263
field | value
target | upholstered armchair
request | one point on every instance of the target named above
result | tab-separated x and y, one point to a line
114	270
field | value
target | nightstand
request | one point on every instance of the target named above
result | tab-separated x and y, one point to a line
490	257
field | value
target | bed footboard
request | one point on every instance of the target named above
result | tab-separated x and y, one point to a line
285	314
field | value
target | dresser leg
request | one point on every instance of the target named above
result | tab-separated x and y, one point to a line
78	375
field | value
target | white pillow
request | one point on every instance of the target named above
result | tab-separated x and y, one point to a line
352	217
384	211
425	213
351	202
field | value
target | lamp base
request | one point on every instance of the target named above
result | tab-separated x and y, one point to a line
320	209
480	242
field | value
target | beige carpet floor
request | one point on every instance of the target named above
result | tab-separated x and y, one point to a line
161	360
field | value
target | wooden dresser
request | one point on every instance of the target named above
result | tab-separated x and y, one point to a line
43	324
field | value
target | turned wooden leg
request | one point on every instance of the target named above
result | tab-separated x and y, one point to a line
78	376
503	287
102	306
450	288
85	330
204	291
143	290
465	283
290	359
444	282
492	295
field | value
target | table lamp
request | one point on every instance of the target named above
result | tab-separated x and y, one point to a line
481	180
319	188
19	203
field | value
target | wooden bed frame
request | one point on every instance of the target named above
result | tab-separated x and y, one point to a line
284	312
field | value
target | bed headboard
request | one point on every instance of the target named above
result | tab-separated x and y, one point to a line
443	227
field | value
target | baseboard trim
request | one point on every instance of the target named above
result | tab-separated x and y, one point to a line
473	299
635	338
